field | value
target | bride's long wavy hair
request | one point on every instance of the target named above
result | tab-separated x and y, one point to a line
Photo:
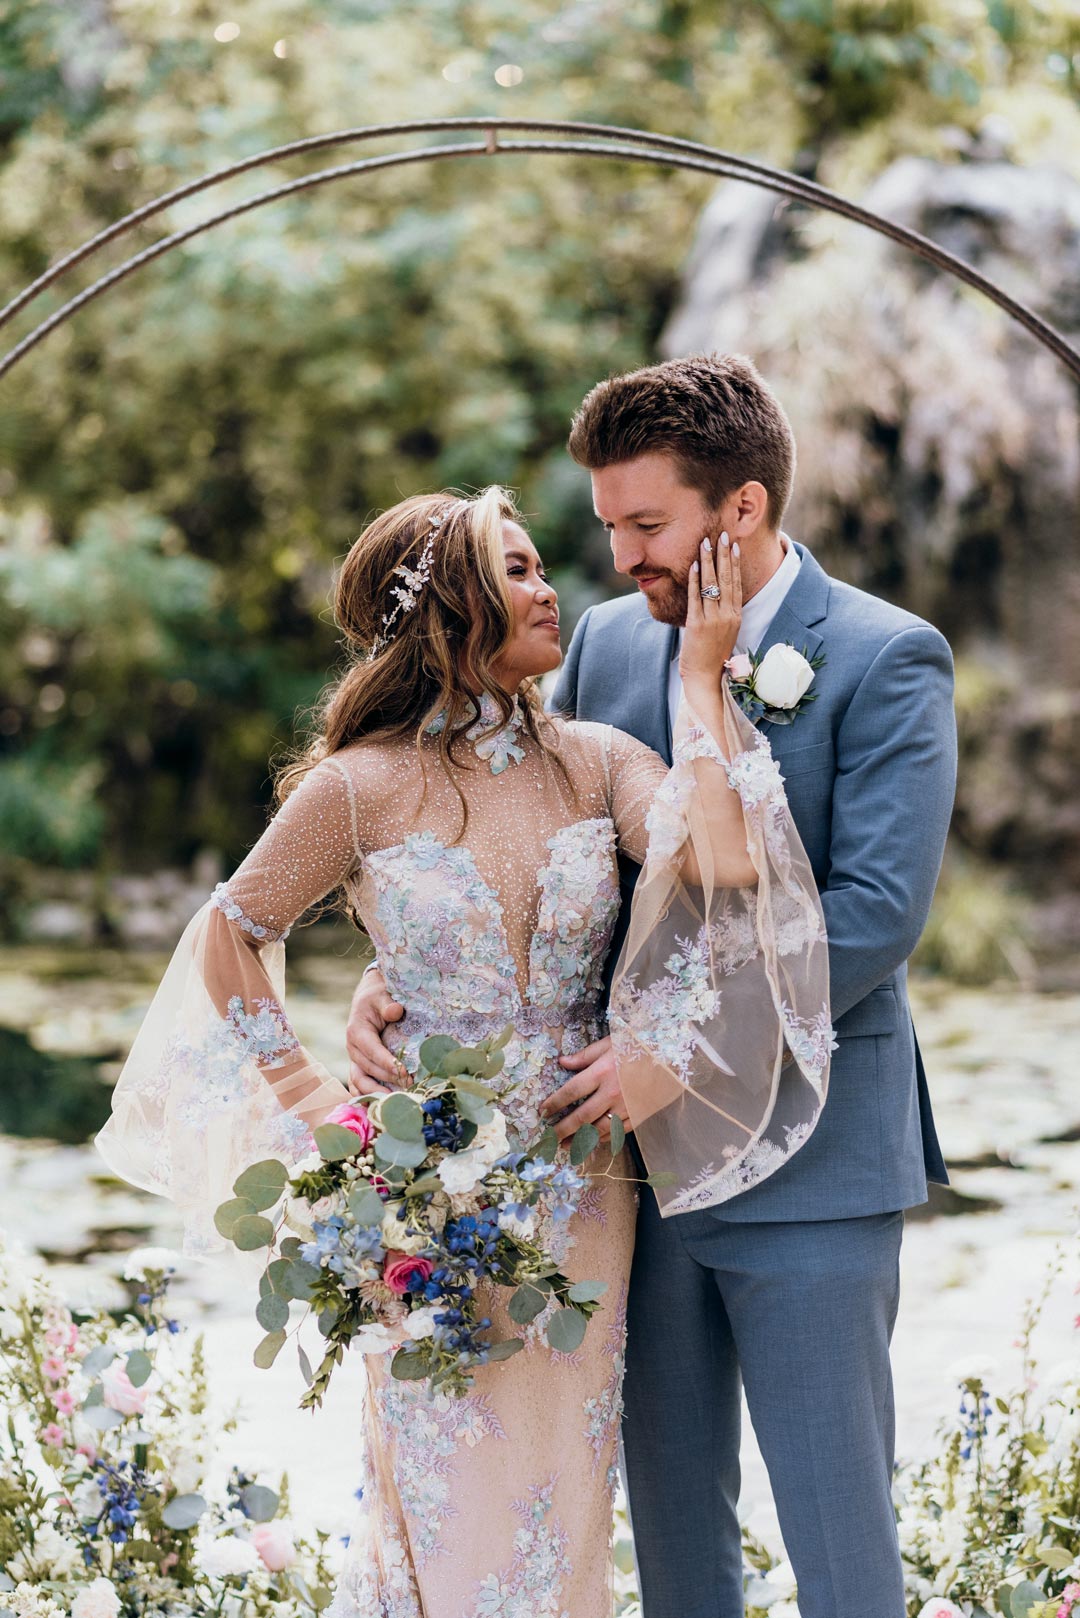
439	652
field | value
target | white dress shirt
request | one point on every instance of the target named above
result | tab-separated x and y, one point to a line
757	614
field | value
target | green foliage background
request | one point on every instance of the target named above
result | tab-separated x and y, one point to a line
181	465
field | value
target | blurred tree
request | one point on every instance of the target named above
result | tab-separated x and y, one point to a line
180	466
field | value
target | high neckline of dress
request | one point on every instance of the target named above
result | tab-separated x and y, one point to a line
500	748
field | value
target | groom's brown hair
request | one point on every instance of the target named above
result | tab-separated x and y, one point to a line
712	412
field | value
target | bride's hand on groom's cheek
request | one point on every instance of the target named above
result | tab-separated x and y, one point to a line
592	1092
372	1068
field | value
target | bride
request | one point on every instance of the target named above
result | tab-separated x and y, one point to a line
474	839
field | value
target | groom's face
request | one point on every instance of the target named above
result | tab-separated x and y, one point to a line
656	525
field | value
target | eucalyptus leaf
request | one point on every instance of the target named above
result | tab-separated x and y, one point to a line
321	1597
336	1142
664	1177
434	1049
527	1302
474	1087
301	1278
584	1143
267	1351
260	1503
1003	1597
402	1117
252	1232
474	1109
98	1358
468	1059
272	1313
183	1511
138	1367
366	1205
546	1146
1055	1556
421	1187
328	1319
228	1213
409	1365
618	1134
143	1550
305	1365
507	1349
101	1417
502	1040
587	1291
96	1396
1025	1596
263	1183
566	1330
290	1247
403	1154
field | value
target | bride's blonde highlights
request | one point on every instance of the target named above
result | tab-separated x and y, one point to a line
439	652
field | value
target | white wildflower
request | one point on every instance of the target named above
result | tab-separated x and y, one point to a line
141	1260
97	1600
420	1323
462	1171
50	1557
227	1558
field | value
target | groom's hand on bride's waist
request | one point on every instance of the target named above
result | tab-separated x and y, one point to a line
592	1094
371	1066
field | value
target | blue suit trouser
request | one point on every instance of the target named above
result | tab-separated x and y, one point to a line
801	1316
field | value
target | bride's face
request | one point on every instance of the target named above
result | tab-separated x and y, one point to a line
534	645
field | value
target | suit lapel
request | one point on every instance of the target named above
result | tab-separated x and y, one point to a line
806	604
651	646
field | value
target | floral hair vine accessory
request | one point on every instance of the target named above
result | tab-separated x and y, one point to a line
408	594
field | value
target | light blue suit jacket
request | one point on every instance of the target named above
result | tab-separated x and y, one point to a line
870	773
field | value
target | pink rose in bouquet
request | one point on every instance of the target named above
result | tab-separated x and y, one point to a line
120	1392
400	1269
274	1543
350	1115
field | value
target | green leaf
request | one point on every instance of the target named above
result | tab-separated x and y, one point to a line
138	1366
98	1358
434	1049
1055	1556
336	1142
142	1550
506	1349
403	1154
475	1110
300	1280
1024	1597
290	1247
305	1365
266	1286
500	1043
584	1142
546	1146
183	1511
1035	1444
665	1177
101	1417
467	1059
251	1232
566	1330
272	1313
1003	1597
366	1205
263	1183
527	1302
267	1351
421	1187
587	1291
401	1116
618	1134
229	1212
96	1396
474	1087
328	1318
259	1502
409	1365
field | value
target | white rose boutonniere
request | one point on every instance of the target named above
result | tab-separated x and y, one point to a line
775	687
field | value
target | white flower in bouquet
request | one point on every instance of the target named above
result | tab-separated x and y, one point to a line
297	1214
227	1558
420	1323
186	1474
783	677
461	1172
520	1225
375	1338
781	1580
98	1600
308	1165
938	1607
10	1325
394	1232
973	1368
141	1260
491	1140
30	1601
86	1500
51	1556
784	1609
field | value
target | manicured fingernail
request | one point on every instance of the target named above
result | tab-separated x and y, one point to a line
724	540
706	543
735	548
693	567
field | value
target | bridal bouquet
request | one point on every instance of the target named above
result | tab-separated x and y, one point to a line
114	1499
412	1213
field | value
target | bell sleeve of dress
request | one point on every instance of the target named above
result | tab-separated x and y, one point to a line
719	1011
216	1078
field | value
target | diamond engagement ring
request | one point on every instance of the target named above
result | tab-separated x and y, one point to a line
711	592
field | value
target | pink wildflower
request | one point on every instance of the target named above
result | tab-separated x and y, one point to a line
53	1435
64	1400
54	1368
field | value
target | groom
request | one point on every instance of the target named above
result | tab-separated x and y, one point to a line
788	1291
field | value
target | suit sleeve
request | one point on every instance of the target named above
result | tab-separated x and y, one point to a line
892	802
564	697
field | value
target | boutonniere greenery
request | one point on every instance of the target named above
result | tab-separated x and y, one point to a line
775	687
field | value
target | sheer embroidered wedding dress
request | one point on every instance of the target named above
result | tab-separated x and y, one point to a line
499	1505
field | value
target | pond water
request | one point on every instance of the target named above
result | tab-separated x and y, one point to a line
1002	1068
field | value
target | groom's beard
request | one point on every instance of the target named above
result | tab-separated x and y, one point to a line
667	600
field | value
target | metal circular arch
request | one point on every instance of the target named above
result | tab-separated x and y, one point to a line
600	140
